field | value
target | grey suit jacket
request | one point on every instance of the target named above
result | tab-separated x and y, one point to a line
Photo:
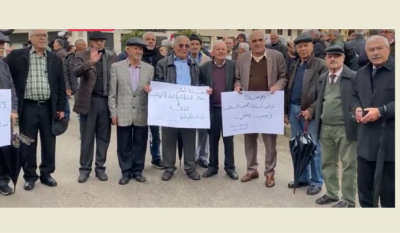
6	82
277	74
129	106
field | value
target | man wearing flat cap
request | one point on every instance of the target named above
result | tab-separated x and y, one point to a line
93	66
128	107
299	98
336	129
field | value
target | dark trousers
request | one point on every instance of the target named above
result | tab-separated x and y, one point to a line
155	143
132	144
4	177
169	144
215	133
365	180
37	118
95	126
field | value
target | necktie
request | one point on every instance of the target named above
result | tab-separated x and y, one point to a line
374	72
332	79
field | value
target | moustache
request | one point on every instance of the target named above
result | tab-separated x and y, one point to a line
333	62
376	56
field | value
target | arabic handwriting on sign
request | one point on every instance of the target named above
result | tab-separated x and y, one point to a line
257	97
268	116
4	124
188	90
242	116
179	108
191	116
239	127
251	105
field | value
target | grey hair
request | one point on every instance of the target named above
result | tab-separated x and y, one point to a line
244	46
78	41
60	42
218	42
147	34
166	43
335	32
359	32
304	31
377	37
316	32
179	38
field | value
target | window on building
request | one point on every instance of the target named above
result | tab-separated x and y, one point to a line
241	30
289	32
267	31
280	31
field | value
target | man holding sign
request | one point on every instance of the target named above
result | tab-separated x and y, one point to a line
260	69
6	83
178	68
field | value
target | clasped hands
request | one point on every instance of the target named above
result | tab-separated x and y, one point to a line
372	115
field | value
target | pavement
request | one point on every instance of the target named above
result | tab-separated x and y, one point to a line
218	191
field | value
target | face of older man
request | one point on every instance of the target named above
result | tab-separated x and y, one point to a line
135	52
334	61
388	34
181	47
304	49
274	38
377	51
220	51
229	44
332	36
39	39
163	51
98	44
257	42
150	40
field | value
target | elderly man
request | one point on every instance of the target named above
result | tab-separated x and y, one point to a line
319	45
243	47
389	35
40	87
260	70
336	129
229	45
219	74
151	55
202	136
373	104
128	107
299	97
3	40
350	56
6	82
277	45
163	51
71	81
58	48
358	43
179	68
93	66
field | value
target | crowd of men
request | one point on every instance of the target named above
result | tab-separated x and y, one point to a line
330	91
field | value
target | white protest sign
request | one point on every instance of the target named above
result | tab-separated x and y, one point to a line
252	112
178	106
5	117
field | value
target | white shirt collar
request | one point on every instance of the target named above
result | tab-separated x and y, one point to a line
337	73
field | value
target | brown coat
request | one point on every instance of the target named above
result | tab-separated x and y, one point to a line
87	72
277	75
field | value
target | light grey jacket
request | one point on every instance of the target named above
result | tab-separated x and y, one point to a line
129	106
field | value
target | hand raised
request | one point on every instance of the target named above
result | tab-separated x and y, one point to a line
94	56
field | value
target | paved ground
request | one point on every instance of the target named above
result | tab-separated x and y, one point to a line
217	191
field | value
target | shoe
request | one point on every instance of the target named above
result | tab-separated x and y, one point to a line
248	177
324	200
167	175
312	190
124	180
5	190
208	173
48	180
233	175
343	204
202	163
157	164
83	178
269	181
140	178
193	175
102	176
29	185
300	184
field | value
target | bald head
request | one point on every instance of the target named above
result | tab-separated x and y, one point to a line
150	40
257	42
80	45
274	37
220	50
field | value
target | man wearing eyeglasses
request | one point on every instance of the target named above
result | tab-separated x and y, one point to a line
40	87
179	68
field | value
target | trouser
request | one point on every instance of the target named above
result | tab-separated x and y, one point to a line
335	147
95	126
169	144
155	143
251	147
296	126
4	177
365	180
132	145
202	145
37	118
215	132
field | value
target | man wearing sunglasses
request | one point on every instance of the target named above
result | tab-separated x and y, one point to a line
179	68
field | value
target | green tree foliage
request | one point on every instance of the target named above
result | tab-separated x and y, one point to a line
132	33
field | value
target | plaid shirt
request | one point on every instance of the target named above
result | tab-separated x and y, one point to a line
37	86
